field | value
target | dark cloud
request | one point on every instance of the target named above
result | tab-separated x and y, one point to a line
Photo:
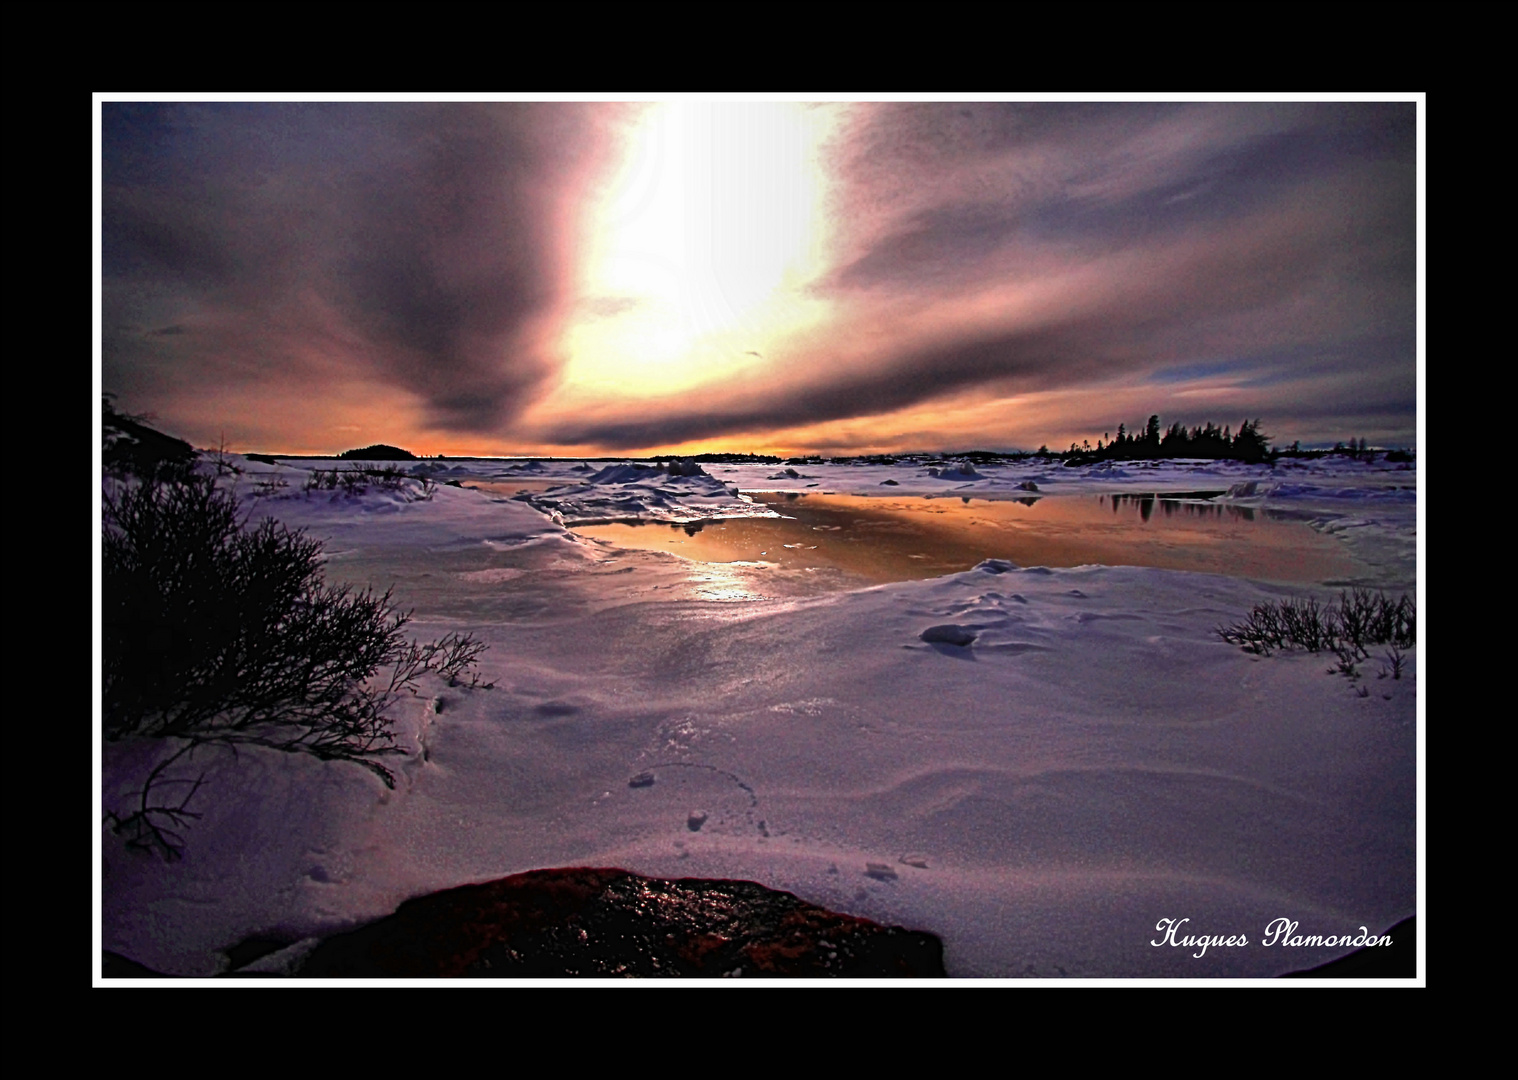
1015	361
414	244
945	188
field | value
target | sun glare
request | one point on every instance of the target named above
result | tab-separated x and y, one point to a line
699	251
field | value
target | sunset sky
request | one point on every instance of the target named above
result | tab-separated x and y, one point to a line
769	276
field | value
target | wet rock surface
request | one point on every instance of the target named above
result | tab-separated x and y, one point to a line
588	922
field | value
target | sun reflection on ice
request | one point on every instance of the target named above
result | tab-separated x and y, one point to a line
728	582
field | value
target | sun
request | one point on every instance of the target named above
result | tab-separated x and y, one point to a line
698	254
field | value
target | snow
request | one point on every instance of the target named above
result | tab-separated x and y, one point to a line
681	492
1037	764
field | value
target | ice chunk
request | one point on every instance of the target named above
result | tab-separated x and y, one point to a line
959	470
627	473
1248	488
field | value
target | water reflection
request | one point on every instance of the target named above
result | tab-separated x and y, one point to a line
1189	502
869	540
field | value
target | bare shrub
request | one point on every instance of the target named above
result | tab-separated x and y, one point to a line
1396	660
1348	628
218	633
357	479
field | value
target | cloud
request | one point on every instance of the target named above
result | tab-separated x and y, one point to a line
931	192
1018	248
607	307
414	265
417	245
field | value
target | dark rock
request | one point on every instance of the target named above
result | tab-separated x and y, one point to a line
608	922
250	949
132	446
116	966
1399	960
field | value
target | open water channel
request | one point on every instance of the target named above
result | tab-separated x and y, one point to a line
857	540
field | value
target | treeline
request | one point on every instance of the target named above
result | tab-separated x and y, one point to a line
1250	444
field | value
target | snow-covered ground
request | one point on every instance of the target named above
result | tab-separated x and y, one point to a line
1094	761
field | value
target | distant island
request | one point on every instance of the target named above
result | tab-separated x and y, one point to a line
1205	441
378	452
1249	445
